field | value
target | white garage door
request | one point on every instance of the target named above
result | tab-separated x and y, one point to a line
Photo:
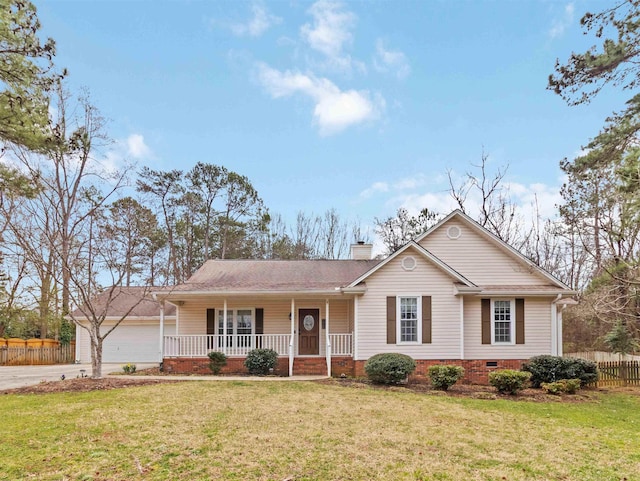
134	343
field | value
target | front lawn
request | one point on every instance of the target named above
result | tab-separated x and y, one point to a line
309	431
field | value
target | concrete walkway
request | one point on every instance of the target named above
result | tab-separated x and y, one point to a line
18	376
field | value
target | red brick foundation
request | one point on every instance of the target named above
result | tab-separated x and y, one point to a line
475	371
200	365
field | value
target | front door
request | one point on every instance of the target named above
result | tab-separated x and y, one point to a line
309	332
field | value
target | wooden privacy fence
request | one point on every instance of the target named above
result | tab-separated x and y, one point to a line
602	356
619	373
29	353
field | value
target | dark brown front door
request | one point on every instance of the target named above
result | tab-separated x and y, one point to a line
308	329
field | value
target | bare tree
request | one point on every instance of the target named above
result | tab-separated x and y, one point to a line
497	213
398	230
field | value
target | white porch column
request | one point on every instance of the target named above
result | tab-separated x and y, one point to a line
224	327
354	352
328	339
461	327
293	333
161	331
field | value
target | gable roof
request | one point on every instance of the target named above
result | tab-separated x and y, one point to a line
496	240
243	275
426	254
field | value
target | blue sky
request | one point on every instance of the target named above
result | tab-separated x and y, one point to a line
362	106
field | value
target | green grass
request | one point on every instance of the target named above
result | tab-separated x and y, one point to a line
307	431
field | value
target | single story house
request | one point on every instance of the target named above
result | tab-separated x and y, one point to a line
457	294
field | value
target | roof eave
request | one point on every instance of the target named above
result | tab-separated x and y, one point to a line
176	295
526	293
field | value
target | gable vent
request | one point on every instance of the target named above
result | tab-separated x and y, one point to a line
454	232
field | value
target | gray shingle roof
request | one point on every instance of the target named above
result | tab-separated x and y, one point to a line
275	275
124	298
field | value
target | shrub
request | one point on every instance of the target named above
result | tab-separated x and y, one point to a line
389	368
568	386
260	361
129	368
217	360
444	376
509	381
550	369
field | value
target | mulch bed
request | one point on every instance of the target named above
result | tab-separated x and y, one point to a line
84	385
459	390
472	391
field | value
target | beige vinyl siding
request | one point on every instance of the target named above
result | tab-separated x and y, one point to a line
83	343
537	332
425	280
479	259
193	314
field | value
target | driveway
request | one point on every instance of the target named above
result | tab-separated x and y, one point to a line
19	376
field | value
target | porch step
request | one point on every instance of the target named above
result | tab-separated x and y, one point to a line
312	366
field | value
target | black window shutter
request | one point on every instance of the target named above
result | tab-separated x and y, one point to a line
259	320
211	322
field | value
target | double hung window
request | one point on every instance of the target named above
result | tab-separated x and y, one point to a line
240	327
503	321
409	316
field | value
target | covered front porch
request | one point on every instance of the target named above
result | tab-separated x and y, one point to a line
310	335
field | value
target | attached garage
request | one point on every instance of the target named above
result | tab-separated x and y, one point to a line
131	341
137	338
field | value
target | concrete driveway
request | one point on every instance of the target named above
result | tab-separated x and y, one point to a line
19	376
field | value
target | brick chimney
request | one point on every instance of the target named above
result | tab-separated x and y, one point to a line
361	251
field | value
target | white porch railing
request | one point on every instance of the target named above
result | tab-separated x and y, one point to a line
341	344
235	345
240	345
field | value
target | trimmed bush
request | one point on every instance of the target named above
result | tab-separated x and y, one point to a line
444	376
567	386
129	368
389	368
508	381
260	361
217	360
550	369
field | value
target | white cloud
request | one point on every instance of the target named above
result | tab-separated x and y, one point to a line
330	32
560	24
375	188
391	61
261	21
136	147
432	191
335	109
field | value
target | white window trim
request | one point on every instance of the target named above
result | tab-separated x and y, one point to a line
233	313
398	320
512	323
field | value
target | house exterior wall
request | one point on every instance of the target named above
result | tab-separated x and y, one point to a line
424	280
479	259
537	331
